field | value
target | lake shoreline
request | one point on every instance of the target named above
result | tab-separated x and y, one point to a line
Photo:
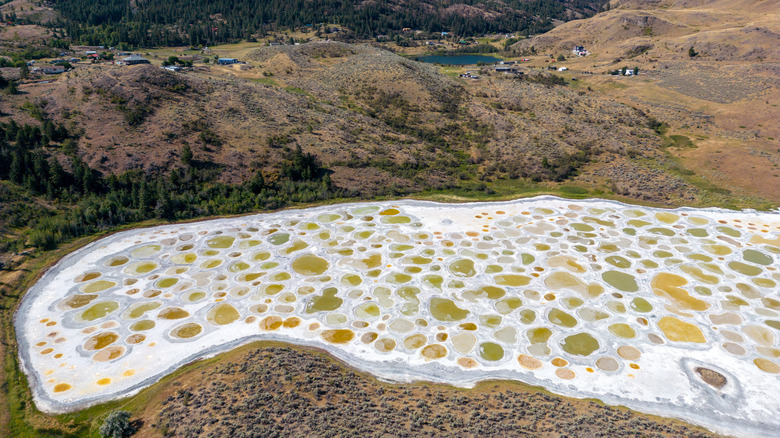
437	212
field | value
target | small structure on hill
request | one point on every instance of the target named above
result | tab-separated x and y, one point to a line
134	60
507	70
580	51
227	61
48	69
563	68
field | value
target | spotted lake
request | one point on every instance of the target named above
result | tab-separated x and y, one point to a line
674	312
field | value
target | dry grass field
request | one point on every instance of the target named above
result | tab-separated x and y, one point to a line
720	105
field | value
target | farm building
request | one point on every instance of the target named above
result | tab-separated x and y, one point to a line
135	59
580	51
49	69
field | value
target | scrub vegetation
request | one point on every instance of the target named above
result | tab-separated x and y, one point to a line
268	387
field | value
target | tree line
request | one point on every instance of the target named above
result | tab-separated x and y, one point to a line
198	22
85	201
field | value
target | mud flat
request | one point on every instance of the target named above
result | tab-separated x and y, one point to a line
674	312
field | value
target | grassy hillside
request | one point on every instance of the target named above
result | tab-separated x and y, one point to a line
717	30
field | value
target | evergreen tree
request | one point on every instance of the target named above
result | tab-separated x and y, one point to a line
24	71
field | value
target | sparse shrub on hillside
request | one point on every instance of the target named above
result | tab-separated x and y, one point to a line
135	115
657	126
278	141
548	80
638	50
34	109
186	155
117	425
209	137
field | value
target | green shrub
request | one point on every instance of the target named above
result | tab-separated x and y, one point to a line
117	425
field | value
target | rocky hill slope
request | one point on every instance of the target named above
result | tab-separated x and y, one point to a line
375	118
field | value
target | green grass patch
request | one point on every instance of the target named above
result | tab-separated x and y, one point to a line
574	191
297	90
265	81
679	141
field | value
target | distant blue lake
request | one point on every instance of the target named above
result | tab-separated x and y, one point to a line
458	60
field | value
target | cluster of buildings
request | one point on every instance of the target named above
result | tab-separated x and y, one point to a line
59	66
508	68
580	51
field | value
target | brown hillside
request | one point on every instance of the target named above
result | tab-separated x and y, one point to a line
379	121
722	30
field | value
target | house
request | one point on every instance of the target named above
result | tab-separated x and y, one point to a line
507	62
629	72
469	75
174	68
134	60
227	61
507	70
580	51
445	33
49	69
90	52
94	56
